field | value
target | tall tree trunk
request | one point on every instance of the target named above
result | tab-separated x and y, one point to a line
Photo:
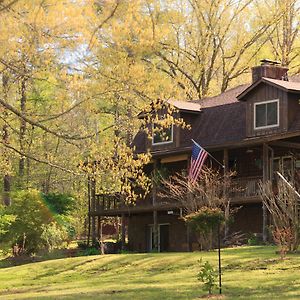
5	139
22	128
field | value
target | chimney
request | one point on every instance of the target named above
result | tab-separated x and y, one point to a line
270	69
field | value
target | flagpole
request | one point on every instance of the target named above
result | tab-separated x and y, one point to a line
209	155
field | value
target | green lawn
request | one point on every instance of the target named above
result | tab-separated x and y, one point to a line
249	273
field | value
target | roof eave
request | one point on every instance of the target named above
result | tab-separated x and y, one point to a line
263	80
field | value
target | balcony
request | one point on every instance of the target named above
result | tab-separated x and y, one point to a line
113	204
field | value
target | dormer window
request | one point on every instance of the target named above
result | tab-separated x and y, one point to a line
266	114
162	135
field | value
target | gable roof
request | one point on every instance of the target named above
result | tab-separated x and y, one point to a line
290	86
186	106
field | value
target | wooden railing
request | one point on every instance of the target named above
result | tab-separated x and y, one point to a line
247	186
108	202
244	187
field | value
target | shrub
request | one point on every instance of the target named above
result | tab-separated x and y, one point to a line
5	222
65	222
253	240
283	238
205	219
91	251
208	275
204	222
53	235
59	203
31	214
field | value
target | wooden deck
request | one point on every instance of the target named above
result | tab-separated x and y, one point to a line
113	205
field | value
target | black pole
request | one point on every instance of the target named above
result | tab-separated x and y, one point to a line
219	252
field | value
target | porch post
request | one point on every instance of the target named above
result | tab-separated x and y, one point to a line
154	198
265	179
100	234
188	229
89	211
227	208
93	210
123	232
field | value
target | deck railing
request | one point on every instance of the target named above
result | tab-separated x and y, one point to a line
244	187
247	186
108	202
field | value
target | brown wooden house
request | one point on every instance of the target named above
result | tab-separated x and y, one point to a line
253	129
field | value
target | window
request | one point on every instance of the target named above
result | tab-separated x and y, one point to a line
162	136
266	114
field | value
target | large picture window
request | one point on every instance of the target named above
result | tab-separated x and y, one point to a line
162	135
266	114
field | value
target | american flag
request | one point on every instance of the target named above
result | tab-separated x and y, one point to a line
197	160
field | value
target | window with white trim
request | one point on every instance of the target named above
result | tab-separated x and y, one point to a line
162	135
266	114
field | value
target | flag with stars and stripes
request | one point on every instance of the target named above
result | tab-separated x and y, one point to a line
198	158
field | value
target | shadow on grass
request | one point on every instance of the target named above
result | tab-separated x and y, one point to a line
42	256
280	290
146	293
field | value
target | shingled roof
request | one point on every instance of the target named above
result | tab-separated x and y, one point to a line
222	117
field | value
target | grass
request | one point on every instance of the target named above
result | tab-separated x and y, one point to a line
248	273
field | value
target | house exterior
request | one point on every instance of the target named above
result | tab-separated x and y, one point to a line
253	129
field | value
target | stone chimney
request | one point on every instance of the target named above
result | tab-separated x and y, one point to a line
269	69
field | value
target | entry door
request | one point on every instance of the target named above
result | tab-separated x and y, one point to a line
163	237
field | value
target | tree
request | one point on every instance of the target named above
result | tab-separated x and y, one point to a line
282	203
26	230
212	44
283	38
205	203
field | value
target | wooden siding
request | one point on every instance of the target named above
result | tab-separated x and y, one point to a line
293	108
248	218
138	236
187	134
265	92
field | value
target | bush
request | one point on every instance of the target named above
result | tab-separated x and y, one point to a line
253	240
53	235
91	251
65	222
283	238
205	219
31	214
5	222
204	222
60	204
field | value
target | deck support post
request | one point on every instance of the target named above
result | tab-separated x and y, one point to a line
189	241
123	232
100	235
93	210
188	238
89	211
227	208
265	179
155	245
